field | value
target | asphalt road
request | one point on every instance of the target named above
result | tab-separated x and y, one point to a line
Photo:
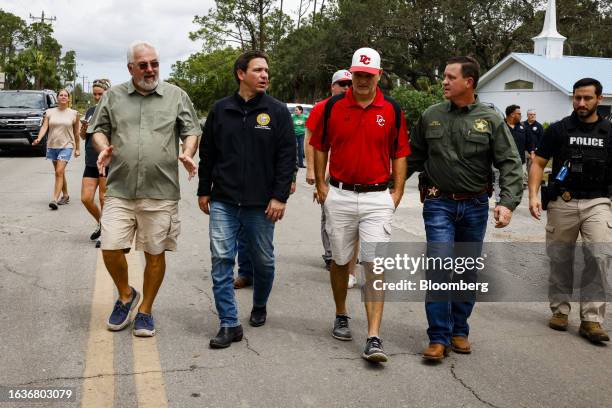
55	294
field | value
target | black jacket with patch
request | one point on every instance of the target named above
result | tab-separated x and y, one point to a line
247	151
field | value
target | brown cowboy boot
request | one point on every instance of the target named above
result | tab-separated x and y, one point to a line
461	345
436	352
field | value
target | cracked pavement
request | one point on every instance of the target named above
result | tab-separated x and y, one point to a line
47	279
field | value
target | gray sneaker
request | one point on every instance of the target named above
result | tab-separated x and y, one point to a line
374	351
341	328
64	200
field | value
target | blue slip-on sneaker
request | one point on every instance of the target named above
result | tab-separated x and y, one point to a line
120	317
144	325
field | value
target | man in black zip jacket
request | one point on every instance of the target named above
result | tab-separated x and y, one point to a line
247	161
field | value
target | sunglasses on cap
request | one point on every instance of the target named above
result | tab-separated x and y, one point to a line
143	65
342	84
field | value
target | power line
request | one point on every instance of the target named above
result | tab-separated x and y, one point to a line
42	18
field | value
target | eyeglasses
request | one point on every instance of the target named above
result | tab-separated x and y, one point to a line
342	84
144	65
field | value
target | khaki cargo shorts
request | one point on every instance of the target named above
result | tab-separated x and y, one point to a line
155	223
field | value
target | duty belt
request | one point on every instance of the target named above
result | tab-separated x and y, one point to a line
567	195
359	188
434	192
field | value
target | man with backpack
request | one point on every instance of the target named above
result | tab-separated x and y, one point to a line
364	134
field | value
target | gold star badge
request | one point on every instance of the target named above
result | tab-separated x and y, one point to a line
433	191
480	125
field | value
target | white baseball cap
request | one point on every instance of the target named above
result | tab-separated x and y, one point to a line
366	60
342	75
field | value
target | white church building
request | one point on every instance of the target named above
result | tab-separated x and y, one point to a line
543	80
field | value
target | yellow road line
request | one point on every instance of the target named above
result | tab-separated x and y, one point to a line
150	387
99	390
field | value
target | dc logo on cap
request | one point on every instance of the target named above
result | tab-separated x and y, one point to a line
364	59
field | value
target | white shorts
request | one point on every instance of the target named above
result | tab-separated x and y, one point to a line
352	216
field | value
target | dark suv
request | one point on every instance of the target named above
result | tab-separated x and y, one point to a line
21	116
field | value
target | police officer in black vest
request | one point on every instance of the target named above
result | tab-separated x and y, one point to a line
578	201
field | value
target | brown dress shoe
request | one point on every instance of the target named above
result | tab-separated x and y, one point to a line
241	282
594	332
558	321
435	352
461	345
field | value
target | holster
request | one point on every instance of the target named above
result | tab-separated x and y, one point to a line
545	197
549	193
423	184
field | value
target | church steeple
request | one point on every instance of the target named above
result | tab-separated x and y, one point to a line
549	43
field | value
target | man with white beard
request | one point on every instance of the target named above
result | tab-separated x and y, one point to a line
144	119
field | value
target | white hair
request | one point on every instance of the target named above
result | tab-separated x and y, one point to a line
531	110
139	44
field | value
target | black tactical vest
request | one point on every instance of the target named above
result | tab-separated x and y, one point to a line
587	152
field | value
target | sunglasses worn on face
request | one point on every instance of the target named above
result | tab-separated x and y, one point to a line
144	65
342	84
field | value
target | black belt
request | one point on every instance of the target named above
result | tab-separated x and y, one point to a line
359	188
433	192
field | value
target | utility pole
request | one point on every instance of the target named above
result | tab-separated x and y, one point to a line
42	19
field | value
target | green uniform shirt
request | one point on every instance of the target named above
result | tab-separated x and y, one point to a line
298	124
145	131
456	147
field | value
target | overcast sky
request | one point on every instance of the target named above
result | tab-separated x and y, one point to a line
100	31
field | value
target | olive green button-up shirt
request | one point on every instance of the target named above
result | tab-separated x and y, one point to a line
456	147
144	131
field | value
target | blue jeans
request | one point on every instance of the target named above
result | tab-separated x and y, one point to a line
245	267
448	221
226	222
299	140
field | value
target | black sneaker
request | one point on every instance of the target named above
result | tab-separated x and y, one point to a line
374	350
341	328
96	234
98	244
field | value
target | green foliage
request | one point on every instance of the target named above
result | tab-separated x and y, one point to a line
67	67
414	37
12	33
246	24
31	57
415	102
206	77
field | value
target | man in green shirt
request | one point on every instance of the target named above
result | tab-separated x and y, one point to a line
144	119
299	120
454	144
